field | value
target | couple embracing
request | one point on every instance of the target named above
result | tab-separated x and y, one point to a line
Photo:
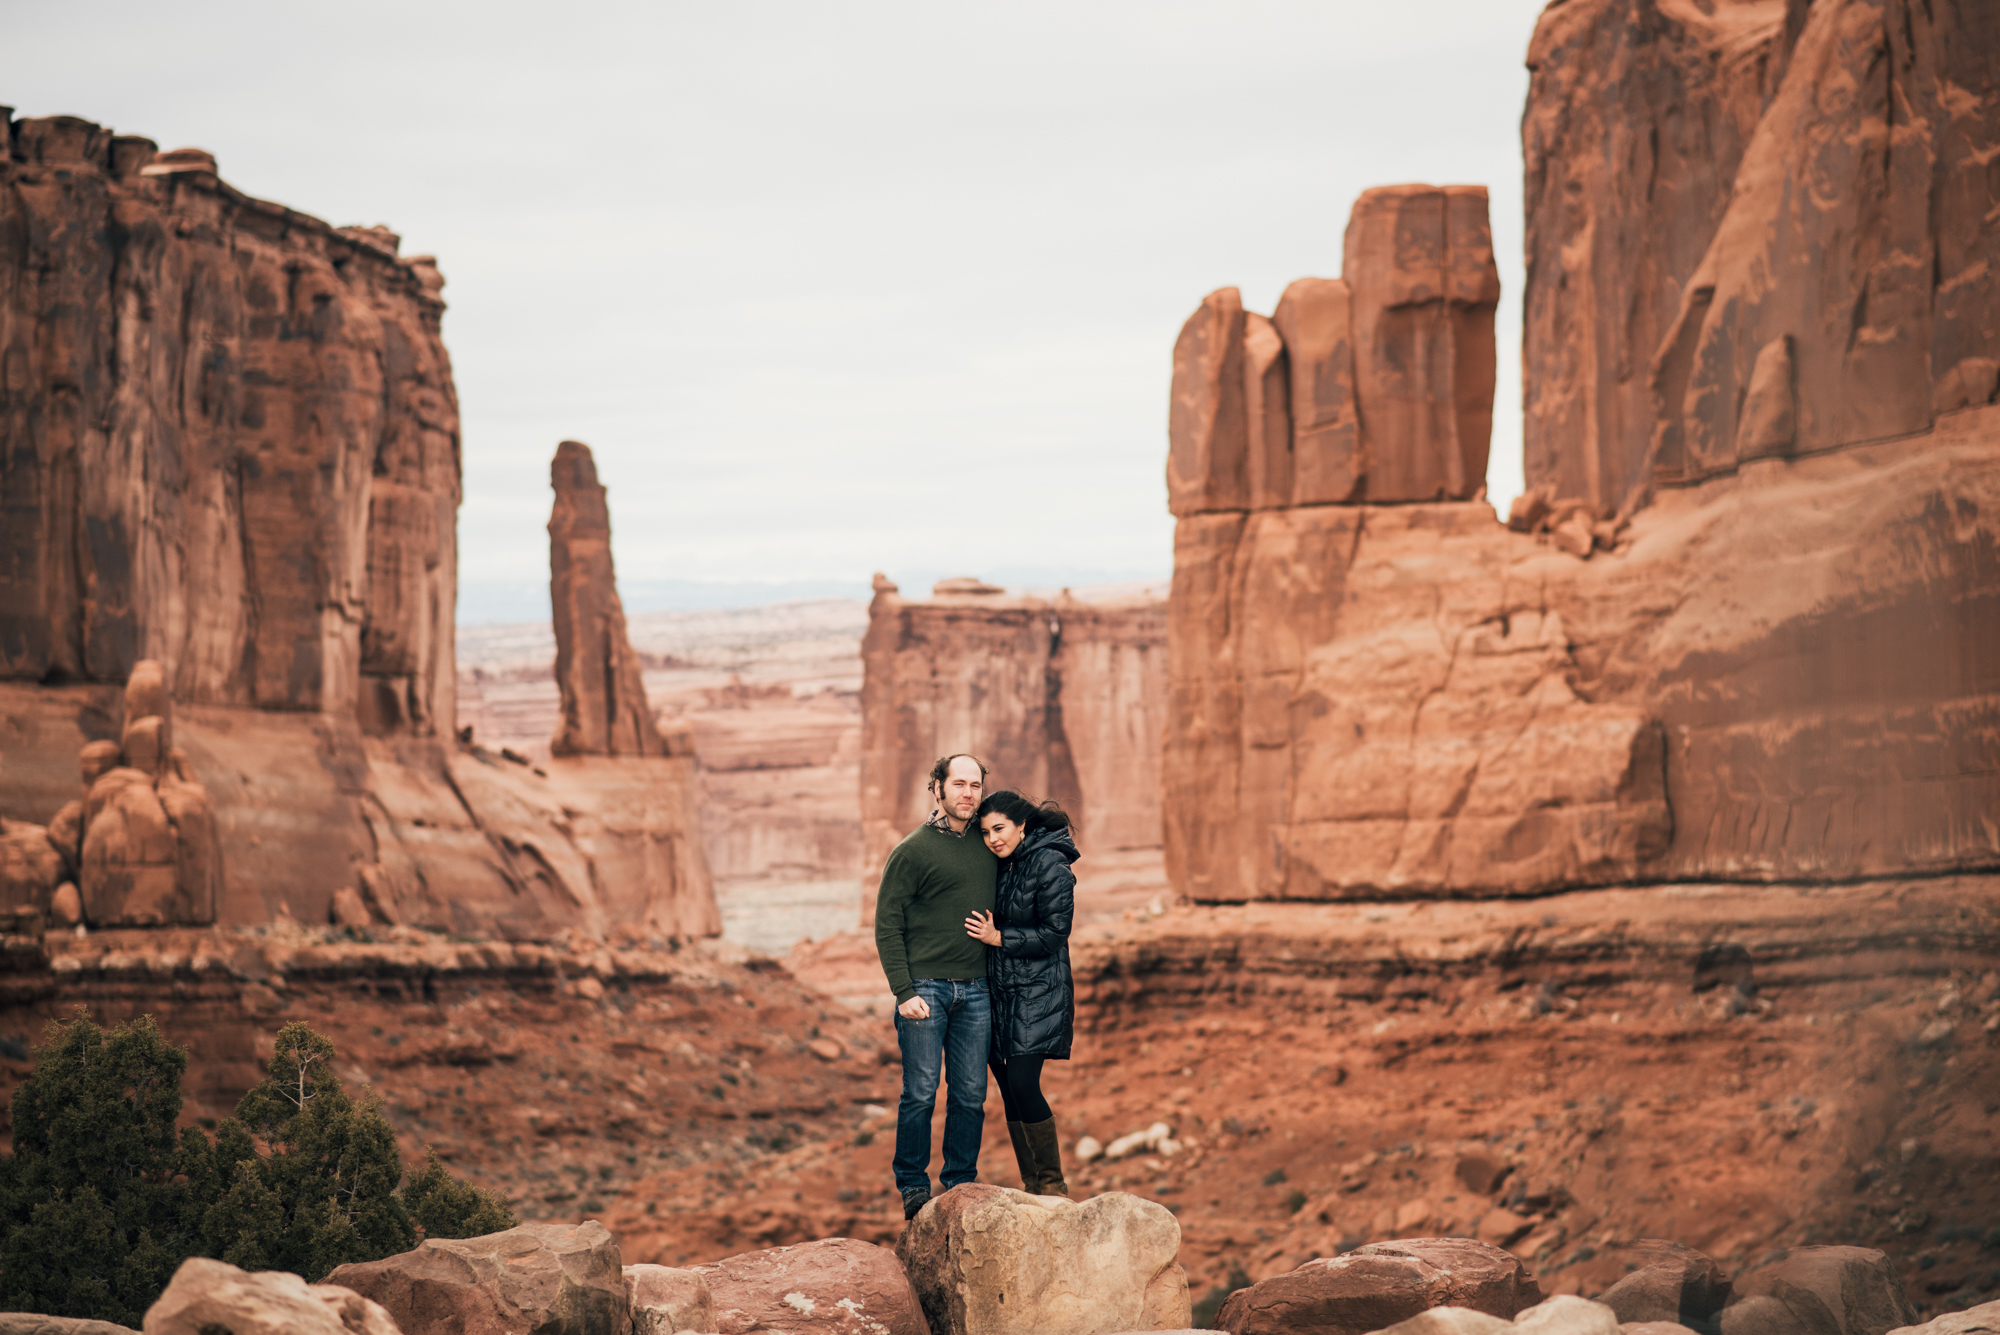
972	924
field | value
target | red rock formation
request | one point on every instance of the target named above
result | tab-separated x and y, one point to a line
231	440
229	444
604	709
1852	289
1638	115
1062	700
1776	676
1377	386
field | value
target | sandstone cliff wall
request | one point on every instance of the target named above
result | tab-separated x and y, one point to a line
230	440
1782	672
1754	229
229	443
1062	699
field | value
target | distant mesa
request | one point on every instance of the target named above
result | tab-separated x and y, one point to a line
963	584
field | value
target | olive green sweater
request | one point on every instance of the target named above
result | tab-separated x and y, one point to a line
931	884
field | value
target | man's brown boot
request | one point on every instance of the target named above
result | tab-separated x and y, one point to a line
1024	1158
1047	1151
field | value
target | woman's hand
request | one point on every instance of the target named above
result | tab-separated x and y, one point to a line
980	925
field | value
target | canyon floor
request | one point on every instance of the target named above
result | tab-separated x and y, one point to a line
1739	1068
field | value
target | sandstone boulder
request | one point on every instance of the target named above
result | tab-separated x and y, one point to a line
66	835
208	1297
1379	1285
1451	1321
987	1260
550	1279
838	1286
1821	1291
666	1301
1655	1328
97	759
1566	1314
30	866
1673	1283
130	856
33	1323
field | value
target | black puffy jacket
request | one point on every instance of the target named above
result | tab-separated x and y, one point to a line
1034	1002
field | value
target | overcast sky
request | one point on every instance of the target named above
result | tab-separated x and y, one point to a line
829	288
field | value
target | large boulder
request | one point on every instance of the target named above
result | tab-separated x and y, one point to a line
666	1301
34	1323
1821	1291
1672	1283
837	1286
130	856
549	1279
1377	1286
214	1298
987	1260
30	866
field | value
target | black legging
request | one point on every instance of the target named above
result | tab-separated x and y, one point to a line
1020	1080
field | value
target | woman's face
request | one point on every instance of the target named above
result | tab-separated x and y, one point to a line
1003	836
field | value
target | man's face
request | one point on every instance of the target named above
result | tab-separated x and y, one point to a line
962	787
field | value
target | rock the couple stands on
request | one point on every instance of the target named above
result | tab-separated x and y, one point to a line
972	926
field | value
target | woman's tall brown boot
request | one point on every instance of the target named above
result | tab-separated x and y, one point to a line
1024	1157
1047	1150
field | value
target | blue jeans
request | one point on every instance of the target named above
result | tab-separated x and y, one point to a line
954	1041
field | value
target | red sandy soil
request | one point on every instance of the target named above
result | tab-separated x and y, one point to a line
1338	1073
1335	1073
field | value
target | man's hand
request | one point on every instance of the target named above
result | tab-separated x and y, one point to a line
916	1008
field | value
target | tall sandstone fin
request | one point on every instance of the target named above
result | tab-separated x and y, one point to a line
604	709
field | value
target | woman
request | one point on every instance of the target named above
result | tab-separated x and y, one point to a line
1027	969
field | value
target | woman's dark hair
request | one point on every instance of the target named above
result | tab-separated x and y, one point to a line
1047	816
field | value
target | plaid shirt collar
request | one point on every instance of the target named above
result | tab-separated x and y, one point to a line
939	823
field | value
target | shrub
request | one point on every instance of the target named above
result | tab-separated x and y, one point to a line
102	1199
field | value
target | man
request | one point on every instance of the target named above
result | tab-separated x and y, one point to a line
934	880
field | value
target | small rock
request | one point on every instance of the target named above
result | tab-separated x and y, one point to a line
1574	535
986	1258
1566	1314
1089	1149
838	1286
1502	1227
589	988
34	1323
666	1301
826	1049
206	1296
1672	1283
1482	1176
66	905
349	909
1133	1143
